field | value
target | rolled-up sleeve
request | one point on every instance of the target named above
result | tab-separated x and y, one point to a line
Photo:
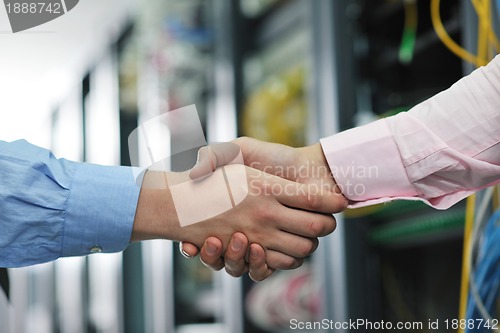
52	207
439	152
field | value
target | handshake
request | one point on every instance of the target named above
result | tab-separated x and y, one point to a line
275	218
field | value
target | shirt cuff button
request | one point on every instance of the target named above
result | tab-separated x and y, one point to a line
95	249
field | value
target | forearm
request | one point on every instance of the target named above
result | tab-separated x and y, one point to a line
440	151
53	208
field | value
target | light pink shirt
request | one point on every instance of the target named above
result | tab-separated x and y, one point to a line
439	152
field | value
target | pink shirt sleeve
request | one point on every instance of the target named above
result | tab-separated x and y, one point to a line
439	152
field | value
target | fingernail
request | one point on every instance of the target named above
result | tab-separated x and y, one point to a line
184	253
211	249
236	244
254	252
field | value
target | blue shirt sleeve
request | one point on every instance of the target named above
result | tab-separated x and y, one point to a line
51	208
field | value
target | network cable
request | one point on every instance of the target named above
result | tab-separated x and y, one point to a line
485	277
488	41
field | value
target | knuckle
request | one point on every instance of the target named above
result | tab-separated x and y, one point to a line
307	249
264	213
290	263
313	201
316	228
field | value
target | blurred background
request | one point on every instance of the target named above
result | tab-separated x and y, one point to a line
288	71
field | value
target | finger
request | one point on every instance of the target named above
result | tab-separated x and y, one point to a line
306	224
213	156
280	261
235	256
311	197
211	254
292	245
188	250
258	269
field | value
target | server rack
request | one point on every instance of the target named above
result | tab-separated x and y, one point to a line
356	73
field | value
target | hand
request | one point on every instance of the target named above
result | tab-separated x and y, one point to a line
305	165
277	214
236	261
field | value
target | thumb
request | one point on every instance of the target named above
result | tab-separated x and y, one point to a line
214	156
205	164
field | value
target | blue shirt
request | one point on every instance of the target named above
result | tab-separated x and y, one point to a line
51	208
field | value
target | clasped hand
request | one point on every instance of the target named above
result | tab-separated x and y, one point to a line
269	230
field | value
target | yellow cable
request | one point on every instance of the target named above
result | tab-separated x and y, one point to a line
464	287
482	31
487	42
492	37
487	35
446	39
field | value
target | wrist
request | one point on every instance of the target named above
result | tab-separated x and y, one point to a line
314	157
315	153
155	216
